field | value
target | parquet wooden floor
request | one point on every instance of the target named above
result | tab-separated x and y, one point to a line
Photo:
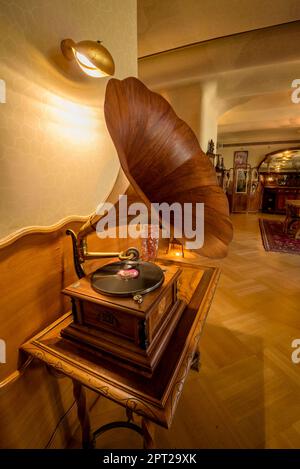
247	394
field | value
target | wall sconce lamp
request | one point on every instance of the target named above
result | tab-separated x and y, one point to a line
175	248
93	58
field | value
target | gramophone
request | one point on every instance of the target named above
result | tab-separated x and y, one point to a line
126	311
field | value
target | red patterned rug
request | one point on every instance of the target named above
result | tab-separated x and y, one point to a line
275	240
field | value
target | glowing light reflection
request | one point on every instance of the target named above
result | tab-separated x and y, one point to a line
75	122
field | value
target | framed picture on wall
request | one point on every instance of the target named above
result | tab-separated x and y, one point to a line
242	176
254	180
228	181
240	158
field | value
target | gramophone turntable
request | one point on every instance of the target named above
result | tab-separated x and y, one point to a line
127	310
129	278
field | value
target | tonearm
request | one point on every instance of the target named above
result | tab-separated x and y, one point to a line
80	247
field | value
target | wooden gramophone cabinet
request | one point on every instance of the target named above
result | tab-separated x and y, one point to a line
121	330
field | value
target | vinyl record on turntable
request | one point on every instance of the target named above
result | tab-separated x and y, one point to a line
127	278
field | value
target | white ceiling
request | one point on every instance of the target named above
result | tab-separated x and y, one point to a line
165	24
253	70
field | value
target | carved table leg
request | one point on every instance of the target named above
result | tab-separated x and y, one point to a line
148	432
129	415
285	224
83	415
196	364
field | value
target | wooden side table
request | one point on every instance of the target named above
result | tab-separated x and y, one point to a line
155	399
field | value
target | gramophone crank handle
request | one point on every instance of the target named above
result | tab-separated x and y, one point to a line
138	298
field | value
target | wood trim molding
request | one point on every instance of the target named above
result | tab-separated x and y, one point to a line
11	238
205	41
13	377
280	150
253	144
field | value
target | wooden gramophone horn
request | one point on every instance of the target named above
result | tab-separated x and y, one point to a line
162	159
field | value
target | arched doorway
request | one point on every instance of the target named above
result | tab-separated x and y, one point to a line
280	173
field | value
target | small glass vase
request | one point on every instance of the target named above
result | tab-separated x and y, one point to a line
149	242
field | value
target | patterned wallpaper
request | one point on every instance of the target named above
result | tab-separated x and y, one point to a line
56	156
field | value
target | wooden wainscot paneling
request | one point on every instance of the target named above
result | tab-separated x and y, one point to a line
34	267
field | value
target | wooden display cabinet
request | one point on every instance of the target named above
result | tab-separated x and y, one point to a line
274	198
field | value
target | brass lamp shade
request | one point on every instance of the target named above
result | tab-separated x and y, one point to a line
93	58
